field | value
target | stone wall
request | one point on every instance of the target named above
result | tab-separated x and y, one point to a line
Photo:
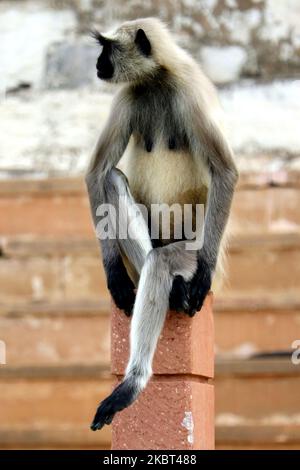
52	106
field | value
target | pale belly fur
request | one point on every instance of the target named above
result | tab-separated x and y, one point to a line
165	176
168	176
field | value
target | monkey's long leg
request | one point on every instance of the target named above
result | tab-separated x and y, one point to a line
112	189
107	153
137	243
149	313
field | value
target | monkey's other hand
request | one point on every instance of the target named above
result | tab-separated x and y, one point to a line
121	288
200	285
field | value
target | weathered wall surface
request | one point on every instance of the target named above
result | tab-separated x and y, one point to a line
52	105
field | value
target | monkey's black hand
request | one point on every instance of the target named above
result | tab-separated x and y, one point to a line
188	296
121	287
199	286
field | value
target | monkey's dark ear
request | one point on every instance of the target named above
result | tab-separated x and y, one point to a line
143	42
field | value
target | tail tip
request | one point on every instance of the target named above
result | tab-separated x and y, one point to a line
120	398
104	415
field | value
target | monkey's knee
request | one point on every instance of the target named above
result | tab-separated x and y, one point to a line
118	179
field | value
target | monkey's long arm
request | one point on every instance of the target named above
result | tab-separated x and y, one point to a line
224	176
109	149
213	146
207	143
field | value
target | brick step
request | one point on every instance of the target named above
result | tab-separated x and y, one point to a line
69	333
40	406
52	278
59	437
36	269
30	246
57	334
248	397
257	264
51	407
258	437
54	207
78	437
245	326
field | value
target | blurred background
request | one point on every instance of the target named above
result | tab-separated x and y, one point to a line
54	306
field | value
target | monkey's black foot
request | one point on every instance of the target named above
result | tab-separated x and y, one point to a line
120	398
120	285
122	291
124	298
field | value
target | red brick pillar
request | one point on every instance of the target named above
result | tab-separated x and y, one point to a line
176	410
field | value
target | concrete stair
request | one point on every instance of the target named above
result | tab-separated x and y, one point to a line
54	318
71	270
51	406
58	370
257	404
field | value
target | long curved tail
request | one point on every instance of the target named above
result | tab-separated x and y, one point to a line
149	314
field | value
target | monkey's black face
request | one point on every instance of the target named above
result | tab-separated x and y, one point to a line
125	57
105	68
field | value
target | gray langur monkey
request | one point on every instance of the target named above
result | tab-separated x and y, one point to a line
167	114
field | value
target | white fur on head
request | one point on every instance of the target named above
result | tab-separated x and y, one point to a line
131	65
166	53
